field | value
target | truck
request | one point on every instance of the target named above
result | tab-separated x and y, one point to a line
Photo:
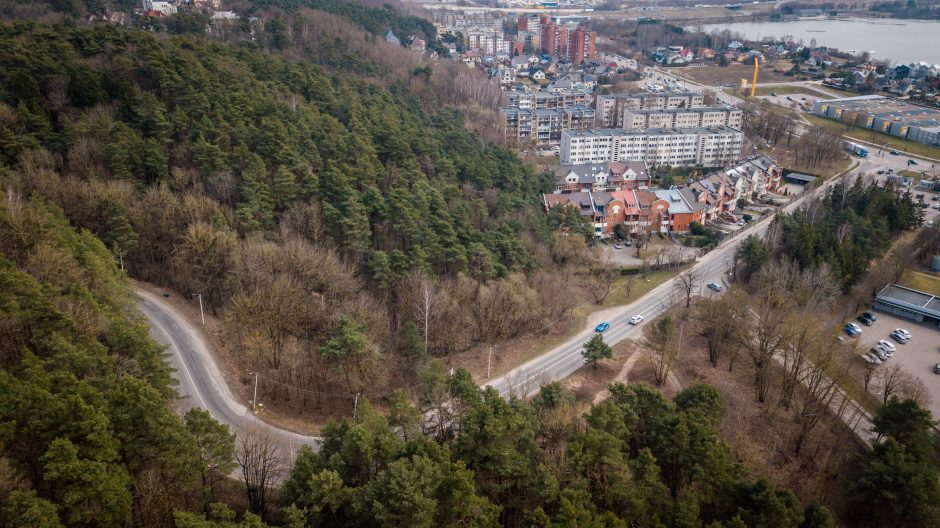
856	149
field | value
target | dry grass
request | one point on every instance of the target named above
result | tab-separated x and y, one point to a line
732	74
918	280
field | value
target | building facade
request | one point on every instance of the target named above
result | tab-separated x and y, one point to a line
706	146
544	126
610	108
682	117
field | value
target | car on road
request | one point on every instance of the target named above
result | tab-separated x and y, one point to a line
911	162
714	286
636	319
881	172
936	368
898	337
618	246
894	153
602	327
887	345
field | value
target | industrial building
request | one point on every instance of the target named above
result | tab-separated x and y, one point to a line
910	304
886	115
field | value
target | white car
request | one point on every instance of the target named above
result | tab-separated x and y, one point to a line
855	327
886	351
636	319
903	332
886	345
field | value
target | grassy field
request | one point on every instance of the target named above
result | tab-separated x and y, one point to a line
731	74
901	145
921	281
787	90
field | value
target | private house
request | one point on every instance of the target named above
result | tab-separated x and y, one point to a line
754	177
682	208
613	176
717	193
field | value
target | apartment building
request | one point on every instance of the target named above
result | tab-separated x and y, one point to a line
704	146
610	108
487	42
582	45
545	126
547	100
705	116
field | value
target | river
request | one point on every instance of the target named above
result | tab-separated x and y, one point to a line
897	40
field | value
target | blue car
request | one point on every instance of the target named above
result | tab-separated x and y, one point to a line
851	331
601	327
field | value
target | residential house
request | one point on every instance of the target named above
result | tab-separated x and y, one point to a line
754	177
682	208
614	176
718	194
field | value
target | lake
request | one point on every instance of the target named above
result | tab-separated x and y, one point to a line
897	40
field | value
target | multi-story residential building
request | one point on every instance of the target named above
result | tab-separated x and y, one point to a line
582	45
640	211
613	176
554	39
705	146
610	108
543	100
487	42
545	126
754	177
682	117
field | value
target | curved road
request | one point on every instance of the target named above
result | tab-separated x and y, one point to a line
564	360
201	384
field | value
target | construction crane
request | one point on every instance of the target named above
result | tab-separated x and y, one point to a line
754	81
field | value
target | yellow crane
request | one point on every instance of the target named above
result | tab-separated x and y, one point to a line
754	81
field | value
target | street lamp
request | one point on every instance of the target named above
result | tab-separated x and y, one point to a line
201	314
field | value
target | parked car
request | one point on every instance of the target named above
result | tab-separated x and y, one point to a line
903	332
886	345
936	368
870	315
898	337
851	331
714	286
895	153
928	223
884	350
636	319
881	172
864	320
875	359
880	353
911	162
618	246
935	198
868	358
602	327
628	243
741	222
937	207
855	326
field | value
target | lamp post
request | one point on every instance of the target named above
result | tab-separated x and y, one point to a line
201	314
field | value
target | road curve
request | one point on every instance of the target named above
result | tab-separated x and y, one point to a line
565	359
201	383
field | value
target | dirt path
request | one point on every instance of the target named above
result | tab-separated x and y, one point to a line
672	382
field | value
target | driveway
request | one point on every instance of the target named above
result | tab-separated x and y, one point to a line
917	357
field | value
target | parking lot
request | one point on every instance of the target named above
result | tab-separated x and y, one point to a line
917	357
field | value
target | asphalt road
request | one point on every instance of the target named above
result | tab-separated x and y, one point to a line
565	359
201	384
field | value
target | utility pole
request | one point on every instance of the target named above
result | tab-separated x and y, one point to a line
201	314
356	402
254	399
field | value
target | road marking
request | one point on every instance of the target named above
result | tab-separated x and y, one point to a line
172	342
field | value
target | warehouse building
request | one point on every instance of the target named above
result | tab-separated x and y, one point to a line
910	304
886	115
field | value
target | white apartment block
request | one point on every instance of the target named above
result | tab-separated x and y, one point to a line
705	116
487	42
610	108
706	146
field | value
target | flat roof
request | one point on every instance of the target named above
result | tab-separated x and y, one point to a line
596	132
801	177
918	301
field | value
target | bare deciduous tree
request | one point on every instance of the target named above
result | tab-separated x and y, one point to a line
686	283
662	341
262	465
